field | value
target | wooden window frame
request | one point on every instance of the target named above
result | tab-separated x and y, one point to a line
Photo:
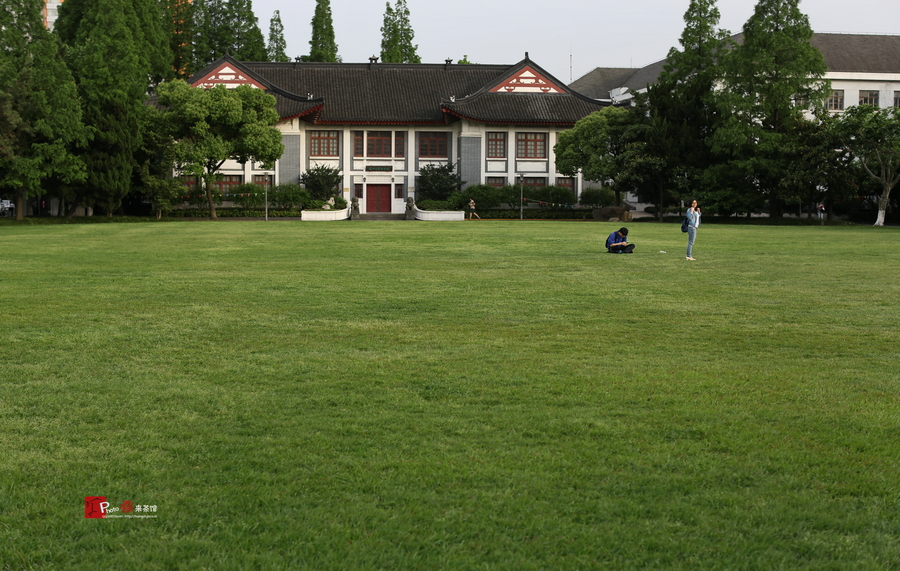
531	145
871	97
835	101
378	144
324	143
496	145
435	144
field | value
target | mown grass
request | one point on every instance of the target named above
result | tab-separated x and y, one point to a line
496	395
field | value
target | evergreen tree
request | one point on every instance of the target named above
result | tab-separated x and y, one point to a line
322	46
112	78
277	45
770	79
179	22
226	26
40	119
397	35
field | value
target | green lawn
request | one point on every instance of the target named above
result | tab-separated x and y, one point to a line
478	395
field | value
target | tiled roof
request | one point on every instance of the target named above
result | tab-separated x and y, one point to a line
377	93
860	53
598	82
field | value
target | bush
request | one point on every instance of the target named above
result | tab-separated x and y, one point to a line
249	195
435	205
597	197
321	181
484	196
289	196
438	182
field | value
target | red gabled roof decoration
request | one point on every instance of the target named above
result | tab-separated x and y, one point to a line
527	80
227	75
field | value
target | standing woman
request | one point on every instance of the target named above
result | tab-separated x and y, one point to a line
693	218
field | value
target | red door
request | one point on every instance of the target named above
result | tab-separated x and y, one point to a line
378	198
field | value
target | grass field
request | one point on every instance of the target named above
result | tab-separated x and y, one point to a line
497	395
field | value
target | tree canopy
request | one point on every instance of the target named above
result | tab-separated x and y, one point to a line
397	35
210	126
322	45
277	45
40	118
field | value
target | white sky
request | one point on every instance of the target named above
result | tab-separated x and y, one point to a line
568	38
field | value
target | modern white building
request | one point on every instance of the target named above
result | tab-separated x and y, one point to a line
862	68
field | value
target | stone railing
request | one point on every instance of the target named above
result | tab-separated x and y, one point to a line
444	215
325	214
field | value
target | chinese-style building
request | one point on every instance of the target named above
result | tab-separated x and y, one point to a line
380	123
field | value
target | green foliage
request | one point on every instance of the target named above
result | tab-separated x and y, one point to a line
397	35
178	23
597	197
596	145
321	181
873	136
485	196
277	45
289	196
226	26
465	61
322	45
248	195
437	182
40	117
765	77
209	126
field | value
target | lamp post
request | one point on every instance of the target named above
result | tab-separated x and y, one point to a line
521	196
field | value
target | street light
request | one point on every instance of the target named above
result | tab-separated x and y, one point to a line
521	195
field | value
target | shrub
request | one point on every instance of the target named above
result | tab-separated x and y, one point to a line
435	205
321	181
597	197
288	196
437	182
249	195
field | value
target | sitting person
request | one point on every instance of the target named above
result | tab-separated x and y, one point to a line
617	243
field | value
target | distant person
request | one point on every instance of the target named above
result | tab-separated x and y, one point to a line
693	219
617	243
472	209
821	210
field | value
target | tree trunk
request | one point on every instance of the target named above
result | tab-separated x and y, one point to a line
20	204
882	206
72	209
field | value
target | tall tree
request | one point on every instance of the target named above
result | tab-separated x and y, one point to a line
277	45
397	35
179	22
770	80
684	106
597	146
873	135
210	126
112	77
40	119
226	26
322	46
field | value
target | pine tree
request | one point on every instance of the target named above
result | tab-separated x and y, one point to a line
322	46
397	36
112	78
226	26
40	119
770	79
277	45
248	43
179	20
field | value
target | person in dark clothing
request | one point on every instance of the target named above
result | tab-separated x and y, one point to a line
617	243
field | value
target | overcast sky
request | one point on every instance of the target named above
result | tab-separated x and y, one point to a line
568	38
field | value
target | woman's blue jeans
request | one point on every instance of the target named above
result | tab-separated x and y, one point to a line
692	235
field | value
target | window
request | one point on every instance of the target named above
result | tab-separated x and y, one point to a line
323	143
897	99
433	145
496	145
868	98
496	181
264	180
399	144
531	145
358	149
836	101
398	191
378	144
358	190
227	182
568	183
534	182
